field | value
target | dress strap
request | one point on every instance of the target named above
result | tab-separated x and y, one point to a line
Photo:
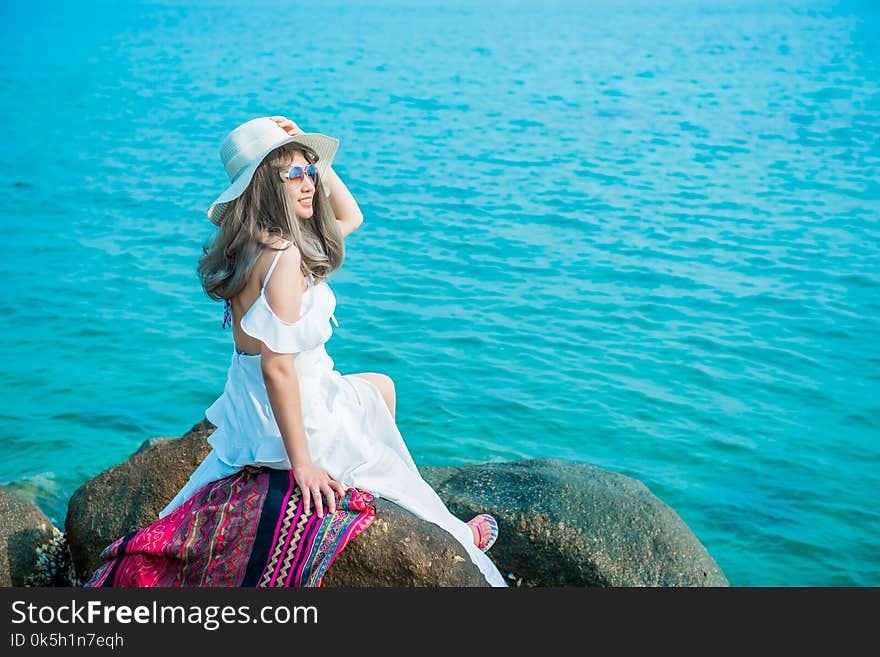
272	266
227	307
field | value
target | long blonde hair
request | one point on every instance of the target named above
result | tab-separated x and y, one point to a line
261	215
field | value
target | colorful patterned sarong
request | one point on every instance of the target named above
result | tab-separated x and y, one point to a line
247	529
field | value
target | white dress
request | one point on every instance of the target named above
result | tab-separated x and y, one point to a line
349	429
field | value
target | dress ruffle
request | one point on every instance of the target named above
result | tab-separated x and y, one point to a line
247	432
310	331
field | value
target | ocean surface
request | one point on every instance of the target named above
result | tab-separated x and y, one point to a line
640	235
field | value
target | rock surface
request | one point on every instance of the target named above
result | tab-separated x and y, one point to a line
23	530
573	524
399	550
130	495
561	524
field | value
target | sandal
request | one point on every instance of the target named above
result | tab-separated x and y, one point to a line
485	539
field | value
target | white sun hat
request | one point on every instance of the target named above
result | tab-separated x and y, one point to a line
246	147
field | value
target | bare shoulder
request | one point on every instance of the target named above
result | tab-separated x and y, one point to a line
286	285
264	261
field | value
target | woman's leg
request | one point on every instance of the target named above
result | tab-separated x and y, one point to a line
385	385
383	475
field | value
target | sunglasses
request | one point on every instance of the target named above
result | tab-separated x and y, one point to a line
296	172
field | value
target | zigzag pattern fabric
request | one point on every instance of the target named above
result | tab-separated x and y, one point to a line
247	529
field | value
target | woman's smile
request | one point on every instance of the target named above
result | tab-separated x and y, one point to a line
301	189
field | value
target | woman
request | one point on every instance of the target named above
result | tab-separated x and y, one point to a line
282	223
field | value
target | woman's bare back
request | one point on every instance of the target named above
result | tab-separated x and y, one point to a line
243	301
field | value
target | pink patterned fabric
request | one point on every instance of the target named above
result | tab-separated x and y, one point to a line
247	529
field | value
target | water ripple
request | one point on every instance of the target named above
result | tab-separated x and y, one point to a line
647	240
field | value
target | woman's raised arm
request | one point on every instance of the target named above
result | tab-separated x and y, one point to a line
348	212
346	209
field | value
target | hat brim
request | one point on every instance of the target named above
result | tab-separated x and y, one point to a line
324	146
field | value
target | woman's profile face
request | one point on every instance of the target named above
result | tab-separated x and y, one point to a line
301	189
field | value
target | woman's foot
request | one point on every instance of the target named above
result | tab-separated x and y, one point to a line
485	530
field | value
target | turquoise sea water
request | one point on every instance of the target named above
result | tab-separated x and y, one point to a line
642	235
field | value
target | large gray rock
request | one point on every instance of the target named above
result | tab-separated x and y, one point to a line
24	530
571	524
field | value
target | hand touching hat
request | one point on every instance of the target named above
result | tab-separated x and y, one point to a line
247	146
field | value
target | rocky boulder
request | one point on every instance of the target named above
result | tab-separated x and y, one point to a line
400	550
561	524
24	531
130	495
573	524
